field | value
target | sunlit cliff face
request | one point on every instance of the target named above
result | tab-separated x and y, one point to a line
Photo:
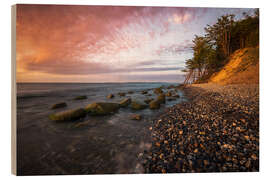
106	43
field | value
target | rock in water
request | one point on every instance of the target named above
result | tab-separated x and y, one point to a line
147	101
137	105
136	117
158	91
69	115
161	99
80	97
176	96
59	105
155	104
102	108
169	94
110	96
144	92
121	94
125	102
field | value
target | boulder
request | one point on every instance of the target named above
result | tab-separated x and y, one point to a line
125	102
136	117
176	96
80	97
147	101
161	98
144	92
59	105
155	104
171	86
102	108
137	105
121	94
171	99
130	92
169	94
69	115
110	96
158	91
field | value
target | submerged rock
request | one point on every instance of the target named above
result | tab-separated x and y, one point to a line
158	90
176	96
110	96
121	94
69	115
171	99
155	104
59	105
137	105
80	97
147	101
144	92
161	98
102	108
125	102
169	93
136	117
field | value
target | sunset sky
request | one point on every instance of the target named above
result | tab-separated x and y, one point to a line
106	43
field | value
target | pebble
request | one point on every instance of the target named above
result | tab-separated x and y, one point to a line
217	130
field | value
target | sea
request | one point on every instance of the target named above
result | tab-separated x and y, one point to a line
93	145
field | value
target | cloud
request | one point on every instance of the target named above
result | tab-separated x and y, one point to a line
88	40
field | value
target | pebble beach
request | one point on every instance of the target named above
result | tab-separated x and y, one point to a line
217	130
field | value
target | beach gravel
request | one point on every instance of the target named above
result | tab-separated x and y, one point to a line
216	130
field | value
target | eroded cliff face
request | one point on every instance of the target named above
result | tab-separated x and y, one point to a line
242	68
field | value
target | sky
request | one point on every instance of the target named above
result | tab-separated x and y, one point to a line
57	43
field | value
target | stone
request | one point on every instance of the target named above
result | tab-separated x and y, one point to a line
102	108
155	104
125	102
161	98
80	97
69	115
59	105
147	101
136	117
121	94
137	105
144	92
158	91
110	96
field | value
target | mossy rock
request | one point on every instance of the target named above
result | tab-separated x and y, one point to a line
59	105
161	98
136	117
155	104
110	96
121	94
147	101
102	108
138	105
80	97
70	115
125	102
158	90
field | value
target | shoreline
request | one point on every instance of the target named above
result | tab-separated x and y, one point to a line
217	130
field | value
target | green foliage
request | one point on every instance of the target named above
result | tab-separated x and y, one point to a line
211	51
